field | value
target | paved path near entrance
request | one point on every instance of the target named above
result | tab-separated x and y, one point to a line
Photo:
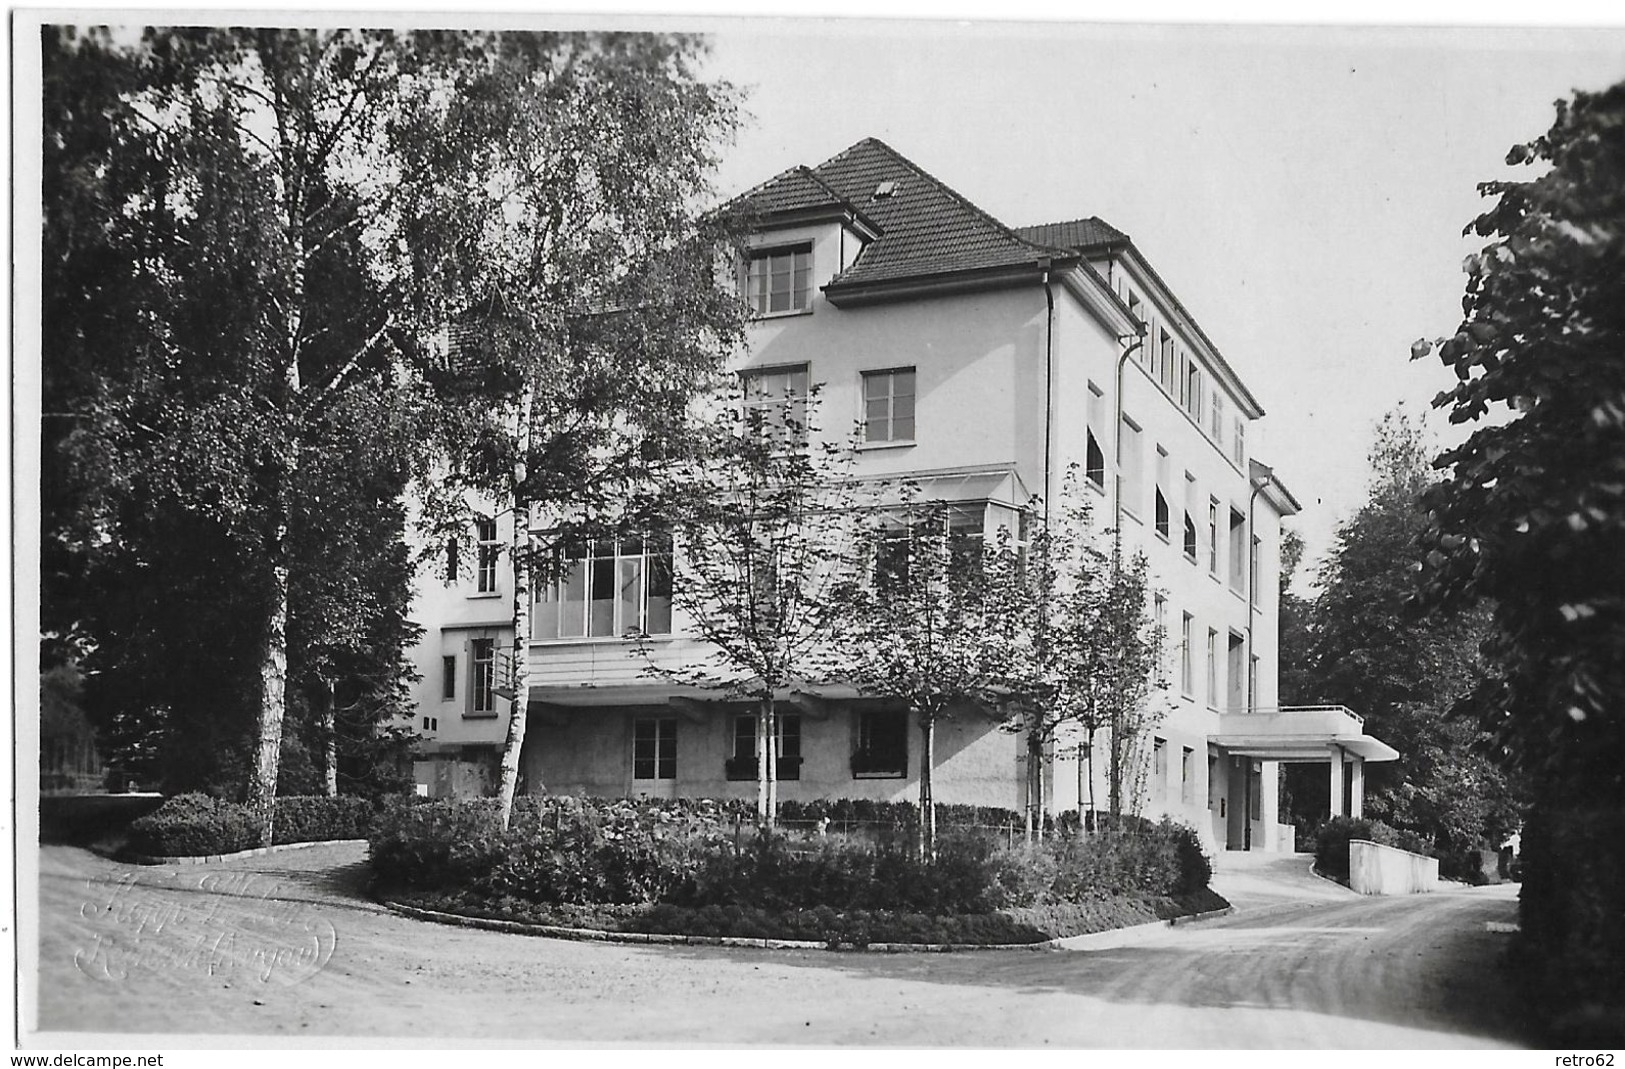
287	945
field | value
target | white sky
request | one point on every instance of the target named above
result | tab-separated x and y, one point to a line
1302	190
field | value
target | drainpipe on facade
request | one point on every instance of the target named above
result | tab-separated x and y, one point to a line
1035	789
1117	433
1259	484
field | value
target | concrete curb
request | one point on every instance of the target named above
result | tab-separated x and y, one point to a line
599	935
205	859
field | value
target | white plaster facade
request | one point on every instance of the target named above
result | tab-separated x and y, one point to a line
1019	355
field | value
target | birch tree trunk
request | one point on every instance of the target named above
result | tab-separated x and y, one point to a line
519	714
762	714
272	705
326	724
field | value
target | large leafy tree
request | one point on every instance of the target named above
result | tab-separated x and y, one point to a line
1531	513
1530	517
1403	670
235	331
556	237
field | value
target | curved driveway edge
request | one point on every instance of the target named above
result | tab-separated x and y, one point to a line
258	851
599	935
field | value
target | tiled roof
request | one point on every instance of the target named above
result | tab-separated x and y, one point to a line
926	229
1079	234
793	190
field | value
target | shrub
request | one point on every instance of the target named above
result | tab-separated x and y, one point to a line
564	851
1332	842
315	819
192	825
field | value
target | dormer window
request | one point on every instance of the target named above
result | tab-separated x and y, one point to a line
779	280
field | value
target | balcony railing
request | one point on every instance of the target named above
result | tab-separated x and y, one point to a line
1343	709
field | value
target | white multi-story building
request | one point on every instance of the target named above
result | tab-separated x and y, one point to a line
981	362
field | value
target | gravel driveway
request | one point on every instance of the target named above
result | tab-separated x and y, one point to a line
288	945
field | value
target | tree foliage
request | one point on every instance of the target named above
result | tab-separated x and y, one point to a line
1531	513
931	624
1366	647
209	316
1090	655
764	520
555	240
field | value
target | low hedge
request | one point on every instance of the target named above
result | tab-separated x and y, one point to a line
832	927
562	851
191	825
195	825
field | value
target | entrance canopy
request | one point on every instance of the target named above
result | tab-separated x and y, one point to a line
1300	733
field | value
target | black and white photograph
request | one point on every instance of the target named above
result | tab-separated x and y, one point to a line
904	531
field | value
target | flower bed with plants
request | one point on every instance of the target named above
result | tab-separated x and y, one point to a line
699	868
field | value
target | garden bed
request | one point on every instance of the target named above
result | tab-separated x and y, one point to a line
823	925
690	868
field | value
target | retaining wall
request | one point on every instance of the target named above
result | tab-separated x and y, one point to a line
1385	870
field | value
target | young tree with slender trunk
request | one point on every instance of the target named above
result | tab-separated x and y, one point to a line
929	626
764	535
1092	653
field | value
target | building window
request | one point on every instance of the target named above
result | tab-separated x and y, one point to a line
1191	392
431	723
490	549
1166	370
780	280
1159	617
1094	461
742	764
1252	685
1213	535
1159	769
1236	667
609	588
882	750
1161	503
1190	517
1216	418
451	559
1132	463
1187	675
654	748
1238	551
775	404
1187	775
1212	669
448	678
895	541
1238	444
888	405
482	677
